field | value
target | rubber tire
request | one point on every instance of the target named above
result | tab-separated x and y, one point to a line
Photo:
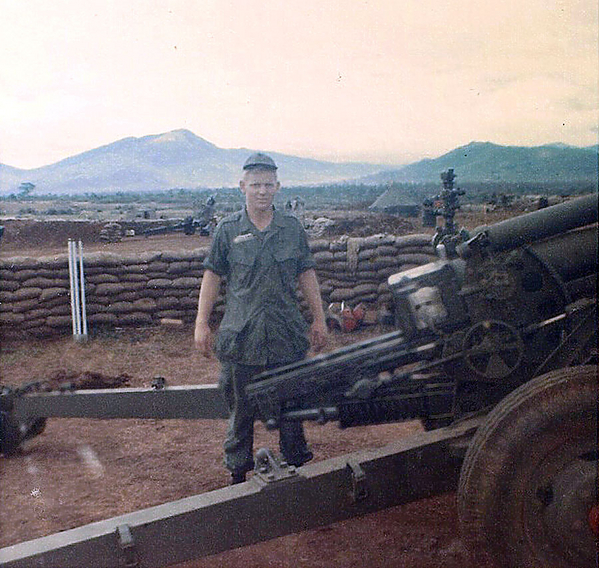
538	428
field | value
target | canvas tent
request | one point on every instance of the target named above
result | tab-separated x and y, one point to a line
396	201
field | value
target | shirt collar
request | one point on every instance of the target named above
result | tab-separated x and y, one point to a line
246	224
278	220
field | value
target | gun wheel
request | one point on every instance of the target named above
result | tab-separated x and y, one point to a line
527	494
492	349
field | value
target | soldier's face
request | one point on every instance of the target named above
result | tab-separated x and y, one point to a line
259	188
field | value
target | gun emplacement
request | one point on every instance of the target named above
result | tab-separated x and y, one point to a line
495	351
472	329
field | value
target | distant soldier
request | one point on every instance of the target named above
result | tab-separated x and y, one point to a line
296	207
206	217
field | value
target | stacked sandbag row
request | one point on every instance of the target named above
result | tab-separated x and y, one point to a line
355	270
111	233
153	287
34	295
119	291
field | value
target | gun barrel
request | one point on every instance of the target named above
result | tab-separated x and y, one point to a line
537	225
327	371
572	255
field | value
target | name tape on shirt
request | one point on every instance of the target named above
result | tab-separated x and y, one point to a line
243	238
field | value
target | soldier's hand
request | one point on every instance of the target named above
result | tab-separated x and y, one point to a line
204	339
319	335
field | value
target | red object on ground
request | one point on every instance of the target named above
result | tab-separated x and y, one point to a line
594	519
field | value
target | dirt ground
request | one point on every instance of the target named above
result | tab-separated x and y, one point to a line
31	238
79	471
49	238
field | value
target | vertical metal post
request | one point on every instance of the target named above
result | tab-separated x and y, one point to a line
83	317
77	290
72	287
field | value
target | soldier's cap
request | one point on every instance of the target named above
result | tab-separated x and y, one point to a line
260	160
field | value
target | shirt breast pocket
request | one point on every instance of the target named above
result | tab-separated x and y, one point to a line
241	262
287	262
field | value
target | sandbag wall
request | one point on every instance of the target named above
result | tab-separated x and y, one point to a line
119	291
151	287
355	270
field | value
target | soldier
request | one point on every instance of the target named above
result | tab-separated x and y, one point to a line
263	254
206	217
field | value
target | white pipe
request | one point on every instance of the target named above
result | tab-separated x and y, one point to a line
77	282
72	286
83	316
76	292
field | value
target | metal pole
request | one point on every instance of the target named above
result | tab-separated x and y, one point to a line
72	287
83	317
77	290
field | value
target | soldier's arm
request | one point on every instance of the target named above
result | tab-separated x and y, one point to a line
208	295
308	285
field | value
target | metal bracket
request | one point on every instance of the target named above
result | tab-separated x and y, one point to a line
269	469
127	546
359	484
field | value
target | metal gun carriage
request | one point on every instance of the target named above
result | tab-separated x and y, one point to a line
203	223
495	351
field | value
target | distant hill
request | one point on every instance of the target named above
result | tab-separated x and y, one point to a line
484	162
177	159
180	159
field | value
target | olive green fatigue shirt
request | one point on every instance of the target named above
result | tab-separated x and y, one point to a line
262	325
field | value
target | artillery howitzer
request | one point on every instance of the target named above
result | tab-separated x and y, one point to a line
204	223
188	226
495	351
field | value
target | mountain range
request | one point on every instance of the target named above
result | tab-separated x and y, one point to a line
177	159
180	159
484	162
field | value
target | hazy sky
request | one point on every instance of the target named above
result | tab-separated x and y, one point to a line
379	80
